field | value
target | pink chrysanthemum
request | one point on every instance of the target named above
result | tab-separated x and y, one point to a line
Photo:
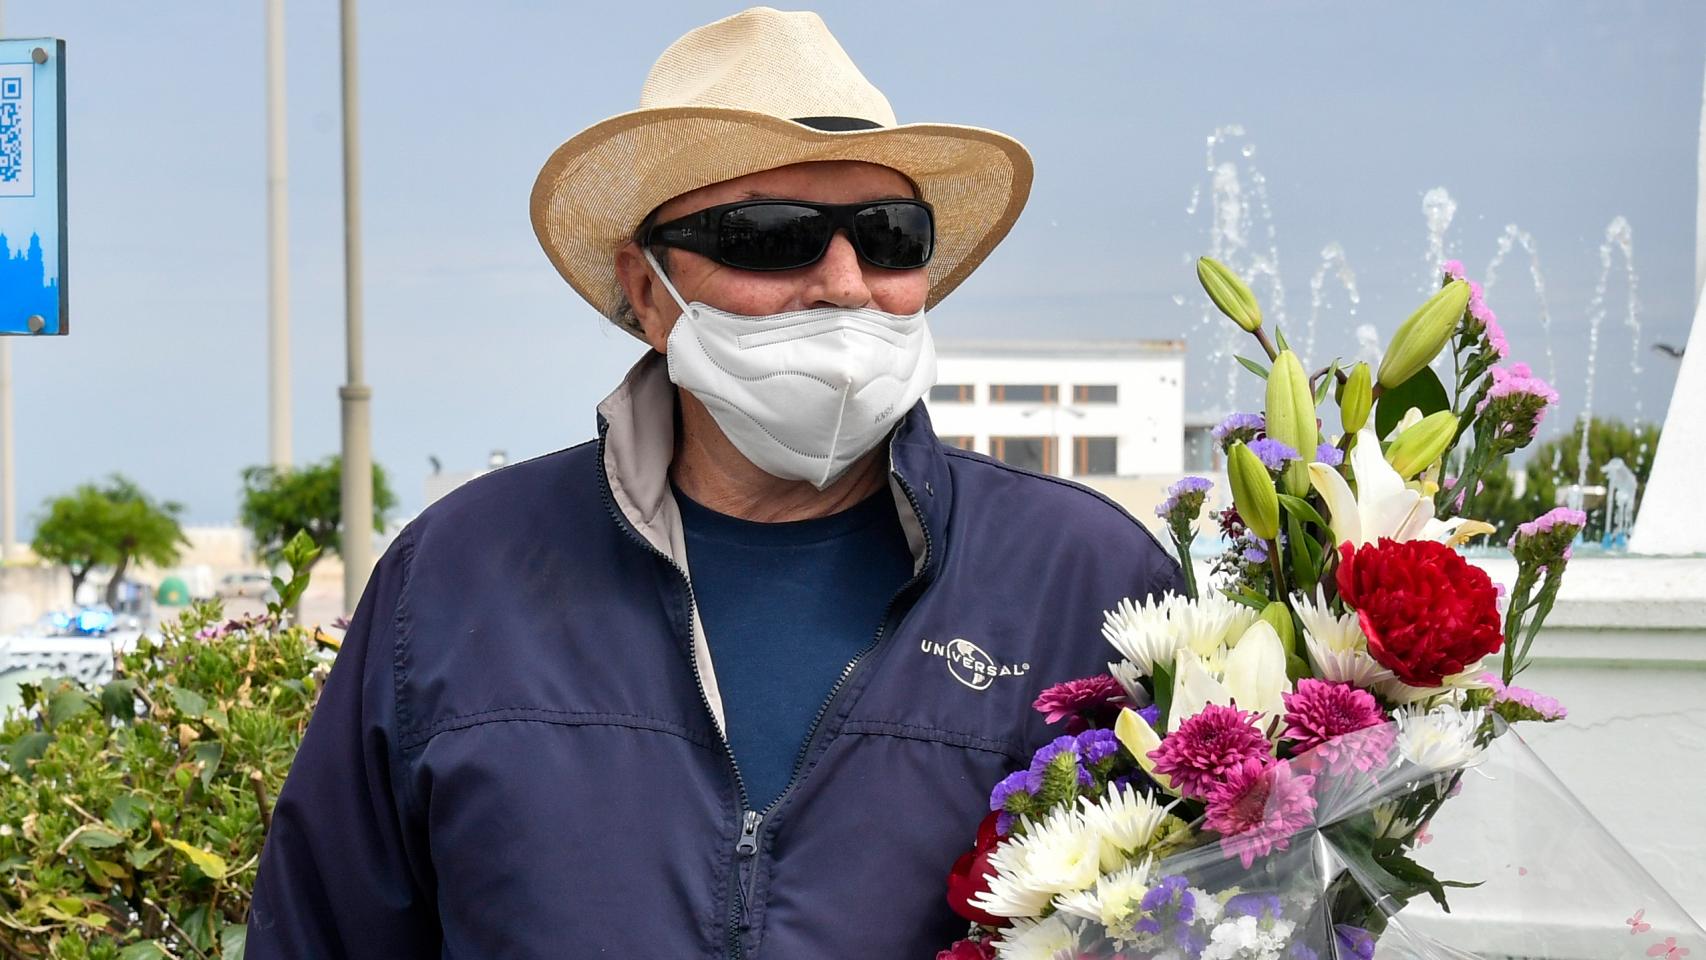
1100	693
1205	747
1320	716
1258	807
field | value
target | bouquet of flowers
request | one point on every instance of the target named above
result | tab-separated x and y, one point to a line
1259	770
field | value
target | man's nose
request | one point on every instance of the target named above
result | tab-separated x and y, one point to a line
838	279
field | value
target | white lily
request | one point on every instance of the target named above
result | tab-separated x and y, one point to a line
1255	672
1193	689
1382	505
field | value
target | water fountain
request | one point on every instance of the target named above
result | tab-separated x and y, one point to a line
1332	261
1513	237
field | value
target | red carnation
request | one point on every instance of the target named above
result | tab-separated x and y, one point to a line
969	876
1426	611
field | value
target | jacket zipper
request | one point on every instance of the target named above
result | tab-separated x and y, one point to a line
752	822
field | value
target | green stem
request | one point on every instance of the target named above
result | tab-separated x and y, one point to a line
1278	567
1183	546
1268	345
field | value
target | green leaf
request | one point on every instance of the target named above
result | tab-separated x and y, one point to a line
1279	336
208	754
1422	391
146	950
1253	367
1296	668
1254	601
97	839
1163	678
67	702
190	703
232	941
127	812
1301	509
28	747
1303	571
208	863
198	924
1327	382
140	857
118	699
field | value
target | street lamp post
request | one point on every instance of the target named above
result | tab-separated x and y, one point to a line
278	247
354	395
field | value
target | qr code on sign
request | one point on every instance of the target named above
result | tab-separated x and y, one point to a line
15	122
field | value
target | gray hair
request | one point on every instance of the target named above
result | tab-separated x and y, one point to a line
624	315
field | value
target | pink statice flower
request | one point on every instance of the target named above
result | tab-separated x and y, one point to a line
1453	270
1520	703
1257	807
1321	717
1099	695
1199	754
1547	538
1515	404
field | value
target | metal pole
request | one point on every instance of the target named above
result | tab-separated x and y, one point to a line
8	491
278	247
357	441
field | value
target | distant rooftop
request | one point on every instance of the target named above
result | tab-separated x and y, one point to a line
1065	349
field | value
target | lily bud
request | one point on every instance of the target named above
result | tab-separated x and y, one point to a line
1421	337
1229	293
1278	616
1423	443
1253	492
1291	418
1139	738
1356	400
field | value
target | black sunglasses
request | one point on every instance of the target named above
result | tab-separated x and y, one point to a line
788	234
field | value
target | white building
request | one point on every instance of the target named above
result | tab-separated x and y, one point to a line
1107	413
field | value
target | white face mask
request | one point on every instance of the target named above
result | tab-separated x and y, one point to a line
803	395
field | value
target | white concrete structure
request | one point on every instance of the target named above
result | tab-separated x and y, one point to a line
1671	521
1082	409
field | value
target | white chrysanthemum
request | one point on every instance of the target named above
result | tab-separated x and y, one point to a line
1041	940
1397	691
1061	854
1154	631
1116	896
1129	678
1125	822
1443	738
1246	938
1336	644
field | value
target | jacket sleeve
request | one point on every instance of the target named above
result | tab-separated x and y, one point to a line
337	878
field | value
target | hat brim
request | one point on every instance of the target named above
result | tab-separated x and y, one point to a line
596	188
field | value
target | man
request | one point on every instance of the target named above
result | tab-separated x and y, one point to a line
734	680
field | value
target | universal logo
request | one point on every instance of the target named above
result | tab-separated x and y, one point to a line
969	664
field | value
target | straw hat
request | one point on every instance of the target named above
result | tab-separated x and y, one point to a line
759	90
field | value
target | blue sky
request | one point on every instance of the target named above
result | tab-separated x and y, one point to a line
1555	117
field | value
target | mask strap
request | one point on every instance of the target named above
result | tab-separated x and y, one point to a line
657	269
829	462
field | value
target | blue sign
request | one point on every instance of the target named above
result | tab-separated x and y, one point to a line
32	187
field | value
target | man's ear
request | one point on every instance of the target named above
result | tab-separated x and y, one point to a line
655	314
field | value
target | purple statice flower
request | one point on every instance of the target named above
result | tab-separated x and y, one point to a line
1239	427
1298	951
1047	752
1255	553
1514	406
1353	943
1453	270
1022	781
1094	746
1546	539
1184	501
1328	454
1168	902
1151	714
1258	905
1274	454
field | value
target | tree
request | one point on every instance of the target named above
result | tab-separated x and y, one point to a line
108	525
1554	463
278	503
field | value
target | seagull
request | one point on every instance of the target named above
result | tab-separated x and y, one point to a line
1667	348
436	466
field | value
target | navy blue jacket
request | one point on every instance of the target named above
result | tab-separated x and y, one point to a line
517	753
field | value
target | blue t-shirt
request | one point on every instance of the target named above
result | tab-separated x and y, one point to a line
786	606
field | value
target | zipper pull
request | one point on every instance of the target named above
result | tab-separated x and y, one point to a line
748	844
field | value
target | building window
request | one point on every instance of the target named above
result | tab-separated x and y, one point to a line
1096	393
1024	393
962	442
952	393
1095	456
1202	454
1030	453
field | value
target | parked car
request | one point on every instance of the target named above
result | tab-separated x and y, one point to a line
246	584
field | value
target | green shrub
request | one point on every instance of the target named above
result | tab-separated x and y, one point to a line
132	817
